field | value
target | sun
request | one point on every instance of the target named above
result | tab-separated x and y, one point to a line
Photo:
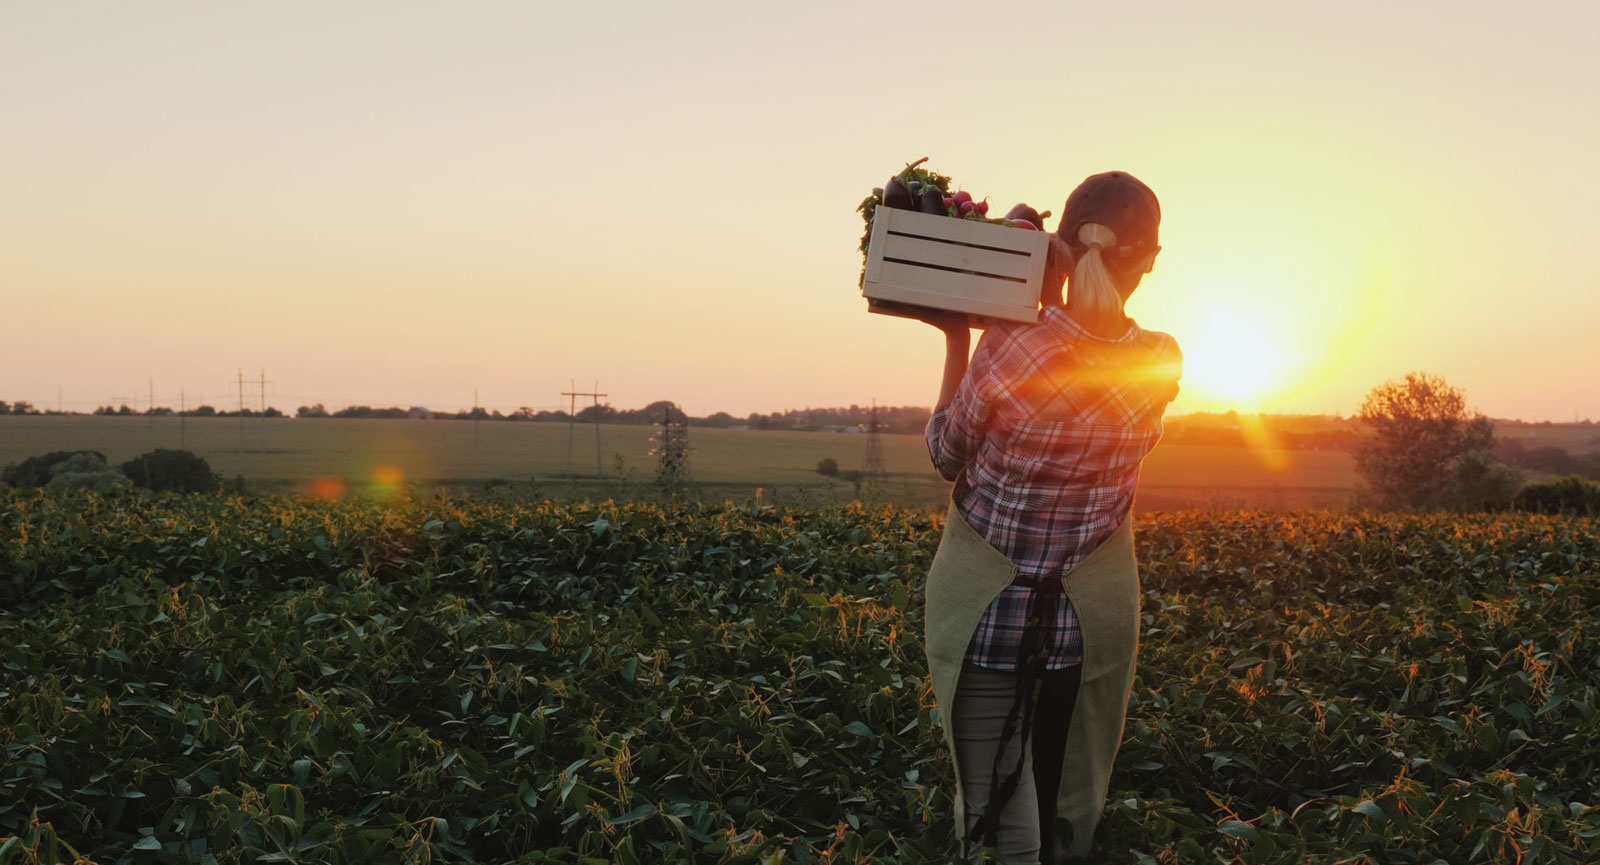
1232	358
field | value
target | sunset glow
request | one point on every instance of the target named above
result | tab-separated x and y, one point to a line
311	194
1233	358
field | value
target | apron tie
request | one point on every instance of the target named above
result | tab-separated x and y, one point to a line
1033	654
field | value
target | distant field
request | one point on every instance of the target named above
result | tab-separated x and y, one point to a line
1574	438
291	454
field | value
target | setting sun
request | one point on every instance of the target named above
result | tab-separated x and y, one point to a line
1231	357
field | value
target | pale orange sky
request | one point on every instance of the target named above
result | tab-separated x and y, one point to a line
389	204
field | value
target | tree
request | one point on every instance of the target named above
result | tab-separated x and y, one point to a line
828	468
1424	450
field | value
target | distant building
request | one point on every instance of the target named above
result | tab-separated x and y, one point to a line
417	412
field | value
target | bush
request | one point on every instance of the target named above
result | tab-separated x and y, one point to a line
165	470
828	468
1571	495
36	471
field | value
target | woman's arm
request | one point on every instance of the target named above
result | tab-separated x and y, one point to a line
957	347
956	427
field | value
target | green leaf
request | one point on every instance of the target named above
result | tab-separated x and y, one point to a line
635	815
147	843
1370	809
1238	829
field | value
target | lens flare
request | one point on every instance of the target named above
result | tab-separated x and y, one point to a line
327	488
1263	442
387	479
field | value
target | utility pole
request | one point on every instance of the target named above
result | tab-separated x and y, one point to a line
474	417
263	396
572	420
241	409
183	420
150	408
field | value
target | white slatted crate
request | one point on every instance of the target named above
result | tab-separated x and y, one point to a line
981	268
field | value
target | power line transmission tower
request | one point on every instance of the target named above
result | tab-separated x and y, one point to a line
572	421
872	467
672	452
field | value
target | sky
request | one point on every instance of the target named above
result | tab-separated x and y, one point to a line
399	203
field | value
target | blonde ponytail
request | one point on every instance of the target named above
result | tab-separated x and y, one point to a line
1092	295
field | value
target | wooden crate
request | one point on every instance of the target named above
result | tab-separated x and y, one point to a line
923	260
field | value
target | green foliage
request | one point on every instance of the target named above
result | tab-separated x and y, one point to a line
286	680
36	471
828	467
84	471
174	471
1571	495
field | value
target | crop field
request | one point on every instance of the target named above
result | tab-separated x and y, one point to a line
300	455
267	679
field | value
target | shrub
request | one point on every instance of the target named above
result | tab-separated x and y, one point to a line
828	468
1570	495
35	471
166	470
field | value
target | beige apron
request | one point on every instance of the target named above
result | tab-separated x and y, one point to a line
966	575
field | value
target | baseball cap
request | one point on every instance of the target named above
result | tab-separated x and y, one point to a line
1120	202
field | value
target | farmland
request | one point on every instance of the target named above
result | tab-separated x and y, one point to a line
291	455
270	679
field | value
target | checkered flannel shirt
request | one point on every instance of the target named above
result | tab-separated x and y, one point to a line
1043	439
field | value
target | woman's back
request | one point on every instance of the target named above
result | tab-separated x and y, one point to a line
1051	425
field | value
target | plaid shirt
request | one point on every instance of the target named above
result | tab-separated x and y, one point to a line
1043	439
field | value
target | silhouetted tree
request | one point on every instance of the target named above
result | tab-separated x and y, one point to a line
1425	450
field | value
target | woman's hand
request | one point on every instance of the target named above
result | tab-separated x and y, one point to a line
956	325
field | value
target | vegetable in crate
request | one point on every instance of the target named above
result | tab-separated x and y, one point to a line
930	185
1023	214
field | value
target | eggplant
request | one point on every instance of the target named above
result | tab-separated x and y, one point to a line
1024	213
933	201
897	196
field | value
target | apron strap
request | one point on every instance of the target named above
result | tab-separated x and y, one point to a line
1033	656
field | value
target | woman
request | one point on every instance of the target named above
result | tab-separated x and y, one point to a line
1033	597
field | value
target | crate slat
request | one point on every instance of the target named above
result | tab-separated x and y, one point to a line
959	256
950	228
939	283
